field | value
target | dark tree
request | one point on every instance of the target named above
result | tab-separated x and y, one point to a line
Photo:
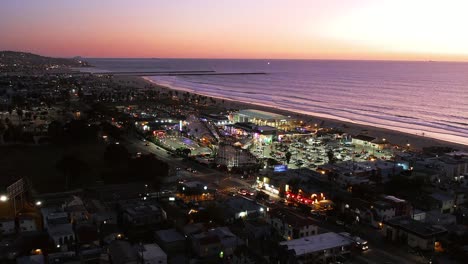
72	168
331	157
116	156
288	156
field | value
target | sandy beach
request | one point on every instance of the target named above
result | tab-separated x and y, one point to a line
417	142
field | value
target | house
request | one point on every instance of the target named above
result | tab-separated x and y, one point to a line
26	223
257	229
214	242
100	213
291	226
414	233
76	209
58	225
380	212
245	255
238	207
121	252
443	202
402	207
63	235
171	241
141	213
151	254
205	245
321	248
53	216
33	259
435	217
192	229
7	226
454	166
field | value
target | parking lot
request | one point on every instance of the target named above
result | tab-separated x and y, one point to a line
174	143
311	152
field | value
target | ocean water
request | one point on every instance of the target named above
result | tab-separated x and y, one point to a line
429	98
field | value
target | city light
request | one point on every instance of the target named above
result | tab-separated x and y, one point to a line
38	203
3	198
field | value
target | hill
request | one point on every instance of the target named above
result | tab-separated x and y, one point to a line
16	61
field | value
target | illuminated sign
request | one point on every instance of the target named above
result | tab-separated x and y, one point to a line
280	168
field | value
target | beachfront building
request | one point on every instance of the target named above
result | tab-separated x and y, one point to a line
263	118
369	142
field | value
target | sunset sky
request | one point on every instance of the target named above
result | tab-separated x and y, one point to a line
299	29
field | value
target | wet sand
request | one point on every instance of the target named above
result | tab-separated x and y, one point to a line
417	142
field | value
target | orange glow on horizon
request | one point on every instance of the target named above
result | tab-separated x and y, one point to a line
307	29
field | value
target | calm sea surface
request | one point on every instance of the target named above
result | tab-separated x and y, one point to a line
413	97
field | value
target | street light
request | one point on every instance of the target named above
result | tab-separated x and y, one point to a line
38	203
3	198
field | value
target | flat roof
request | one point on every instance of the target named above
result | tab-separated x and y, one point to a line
241	204
169	235
151	251
311	244
364	137
415	227
261	114
442	196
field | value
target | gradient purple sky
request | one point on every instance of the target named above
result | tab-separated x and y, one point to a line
302	29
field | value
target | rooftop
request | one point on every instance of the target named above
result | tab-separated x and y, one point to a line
394	199
151	251
169	235
122	252
241	204
364	138
417	228
441	196
316	243
291	219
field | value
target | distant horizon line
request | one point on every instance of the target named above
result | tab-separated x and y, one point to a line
264	59
227	58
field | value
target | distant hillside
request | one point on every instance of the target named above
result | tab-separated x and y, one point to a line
29	60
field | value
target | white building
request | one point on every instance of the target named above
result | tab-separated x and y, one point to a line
318	248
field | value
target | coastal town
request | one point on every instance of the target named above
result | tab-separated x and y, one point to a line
112	168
